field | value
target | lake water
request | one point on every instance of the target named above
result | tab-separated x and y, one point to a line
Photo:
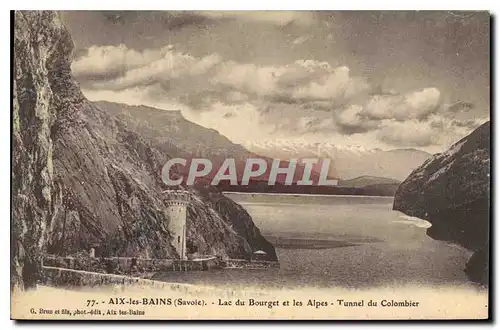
339	241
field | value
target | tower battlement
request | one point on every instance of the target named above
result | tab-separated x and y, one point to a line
177	197
176	203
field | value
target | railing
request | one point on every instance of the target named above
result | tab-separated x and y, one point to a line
137	266
249	264
129	265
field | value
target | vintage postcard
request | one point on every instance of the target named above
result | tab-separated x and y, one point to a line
264	165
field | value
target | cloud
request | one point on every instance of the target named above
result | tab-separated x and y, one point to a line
415	119
250	101
196	78
300	40
437	130
247	78
469	124
459	106
238	122
148	67
414	105
112	60
378	110
350	120
301	81
411	133
278	18
336	84
167	20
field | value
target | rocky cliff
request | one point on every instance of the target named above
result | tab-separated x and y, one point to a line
81	178
452	191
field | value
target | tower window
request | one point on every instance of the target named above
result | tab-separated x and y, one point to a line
178	239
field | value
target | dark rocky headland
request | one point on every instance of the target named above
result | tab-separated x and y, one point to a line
452	191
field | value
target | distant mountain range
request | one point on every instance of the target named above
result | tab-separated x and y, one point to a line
178	137
366	180
363	185
347	161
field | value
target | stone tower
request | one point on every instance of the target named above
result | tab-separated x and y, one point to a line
176	203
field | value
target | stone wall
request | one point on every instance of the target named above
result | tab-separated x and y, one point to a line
76	279
61	277
130	266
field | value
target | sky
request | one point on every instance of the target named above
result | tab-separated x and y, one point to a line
374	79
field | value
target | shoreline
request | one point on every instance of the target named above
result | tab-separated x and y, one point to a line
300	195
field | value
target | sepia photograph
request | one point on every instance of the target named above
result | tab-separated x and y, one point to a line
250	165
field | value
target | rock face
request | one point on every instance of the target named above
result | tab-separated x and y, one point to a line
40	66
82	179
452	191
